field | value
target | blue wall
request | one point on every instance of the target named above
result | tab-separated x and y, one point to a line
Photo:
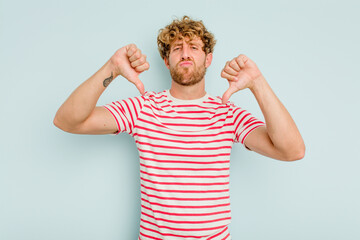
55	185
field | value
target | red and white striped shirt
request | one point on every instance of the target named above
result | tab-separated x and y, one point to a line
184	148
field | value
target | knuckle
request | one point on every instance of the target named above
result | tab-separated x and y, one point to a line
243	57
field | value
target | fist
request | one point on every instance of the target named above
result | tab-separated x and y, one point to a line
241	72
129	62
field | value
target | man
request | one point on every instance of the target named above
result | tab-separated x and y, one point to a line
184	136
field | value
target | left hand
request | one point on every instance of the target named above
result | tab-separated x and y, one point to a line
241	72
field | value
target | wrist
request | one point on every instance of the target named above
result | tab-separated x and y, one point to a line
112	68
106	74
258	84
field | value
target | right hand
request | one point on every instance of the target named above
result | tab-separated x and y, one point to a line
129	62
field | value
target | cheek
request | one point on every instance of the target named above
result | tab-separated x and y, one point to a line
172	62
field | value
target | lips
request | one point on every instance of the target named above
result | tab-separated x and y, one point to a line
186	63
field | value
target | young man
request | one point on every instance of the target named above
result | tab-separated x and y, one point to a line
184	135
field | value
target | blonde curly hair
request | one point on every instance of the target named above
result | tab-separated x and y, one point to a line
184	28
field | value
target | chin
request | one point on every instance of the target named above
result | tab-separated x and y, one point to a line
187	82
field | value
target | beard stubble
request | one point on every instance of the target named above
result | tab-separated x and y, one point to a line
184	77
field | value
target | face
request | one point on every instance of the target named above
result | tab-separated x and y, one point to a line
187	61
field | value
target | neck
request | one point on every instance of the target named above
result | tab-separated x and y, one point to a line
188	92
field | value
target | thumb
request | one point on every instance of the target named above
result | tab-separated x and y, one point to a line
226	96
140	86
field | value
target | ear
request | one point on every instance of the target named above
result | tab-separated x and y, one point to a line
166	61
208	60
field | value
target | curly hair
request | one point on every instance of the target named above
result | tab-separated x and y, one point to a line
188	28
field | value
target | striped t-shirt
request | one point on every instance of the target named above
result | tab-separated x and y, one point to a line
184	148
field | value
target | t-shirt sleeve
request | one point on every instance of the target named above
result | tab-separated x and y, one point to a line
244	123
125	113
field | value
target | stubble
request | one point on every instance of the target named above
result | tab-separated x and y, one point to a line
186	76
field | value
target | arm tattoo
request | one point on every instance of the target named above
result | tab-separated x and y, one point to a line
108	80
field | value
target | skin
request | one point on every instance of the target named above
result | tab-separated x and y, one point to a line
280	139
79	114
188	51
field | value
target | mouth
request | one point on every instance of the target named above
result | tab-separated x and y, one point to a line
185	63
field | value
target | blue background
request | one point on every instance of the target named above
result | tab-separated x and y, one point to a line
55	185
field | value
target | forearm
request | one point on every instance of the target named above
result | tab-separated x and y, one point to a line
280	126
79	105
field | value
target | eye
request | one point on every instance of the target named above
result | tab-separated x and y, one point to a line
194	48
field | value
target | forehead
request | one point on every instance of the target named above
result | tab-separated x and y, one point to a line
196	40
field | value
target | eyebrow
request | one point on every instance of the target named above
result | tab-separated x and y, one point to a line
190	43
194	43
177	44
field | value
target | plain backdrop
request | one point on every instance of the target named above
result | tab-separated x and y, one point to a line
55	185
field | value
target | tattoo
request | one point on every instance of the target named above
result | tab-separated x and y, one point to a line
108	80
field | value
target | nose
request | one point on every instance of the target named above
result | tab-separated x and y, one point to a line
185	55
